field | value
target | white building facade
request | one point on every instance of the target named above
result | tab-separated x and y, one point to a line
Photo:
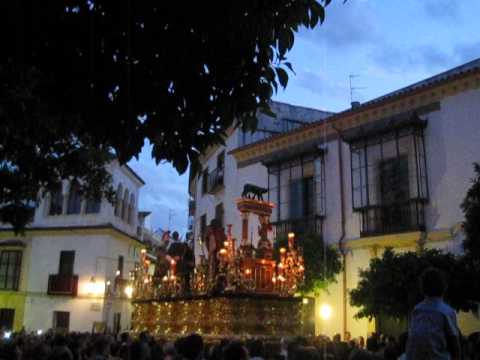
214	191
388	173
73	261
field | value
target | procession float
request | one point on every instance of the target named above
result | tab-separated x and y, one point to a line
236	289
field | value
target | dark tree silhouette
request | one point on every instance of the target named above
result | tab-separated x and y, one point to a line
83	79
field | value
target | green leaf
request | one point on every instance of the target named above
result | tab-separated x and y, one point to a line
282	76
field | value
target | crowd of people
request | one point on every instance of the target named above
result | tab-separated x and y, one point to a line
83	346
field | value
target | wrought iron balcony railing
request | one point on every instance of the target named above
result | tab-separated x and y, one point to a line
215	180
393	218
306	225
66	285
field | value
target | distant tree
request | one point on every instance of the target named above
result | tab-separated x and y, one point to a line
471	210
389	286
322	262
83	79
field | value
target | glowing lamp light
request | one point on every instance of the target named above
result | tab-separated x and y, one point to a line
145	281
223	251
225	243
274	279
283	250
39	332
94	287
7	335
281	278
172	277
117	272
280	265
173	262
248	271
301	268
305	301
129	291
165	278
291	235
108	283
325	311
143	251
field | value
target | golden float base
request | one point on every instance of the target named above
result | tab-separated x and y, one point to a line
239	315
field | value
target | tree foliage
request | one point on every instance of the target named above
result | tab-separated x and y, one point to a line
390	286
471	210
322	263
83	79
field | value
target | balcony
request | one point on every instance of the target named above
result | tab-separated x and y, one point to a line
66	285
215	180
393	218
307	225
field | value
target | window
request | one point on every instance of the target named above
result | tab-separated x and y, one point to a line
203	227
56	202
205	181
219	212
120	266
7	317
67	260
125	205
74	199
10	265
268	127
118	200
92	206
131	210
389	181
297	188
221	160
61	321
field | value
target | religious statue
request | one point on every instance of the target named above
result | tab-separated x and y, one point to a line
185	260
264	249
251	191
215	239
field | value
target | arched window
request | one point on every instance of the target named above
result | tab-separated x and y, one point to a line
125	205
118	200
56	201
92	205
131	210
74	199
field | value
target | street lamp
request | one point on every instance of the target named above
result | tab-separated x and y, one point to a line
325	311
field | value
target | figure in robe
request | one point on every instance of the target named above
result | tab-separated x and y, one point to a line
183	255
215	239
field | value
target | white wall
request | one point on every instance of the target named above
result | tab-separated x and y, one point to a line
105	216
452	145
95	255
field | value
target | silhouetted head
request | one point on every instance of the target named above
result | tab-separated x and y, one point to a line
433	283
175	236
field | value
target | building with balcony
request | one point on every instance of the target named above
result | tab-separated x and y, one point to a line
70	268
214	190
391	172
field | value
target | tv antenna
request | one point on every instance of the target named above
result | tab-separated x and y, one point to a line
354	88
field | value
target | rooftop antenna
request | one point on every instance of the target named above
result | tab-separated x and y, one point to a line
354	103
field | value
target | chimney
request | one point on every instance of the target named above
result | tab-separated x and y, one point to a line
355	104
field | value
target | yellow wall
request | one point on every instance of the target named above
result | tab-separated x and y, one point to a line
14	300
